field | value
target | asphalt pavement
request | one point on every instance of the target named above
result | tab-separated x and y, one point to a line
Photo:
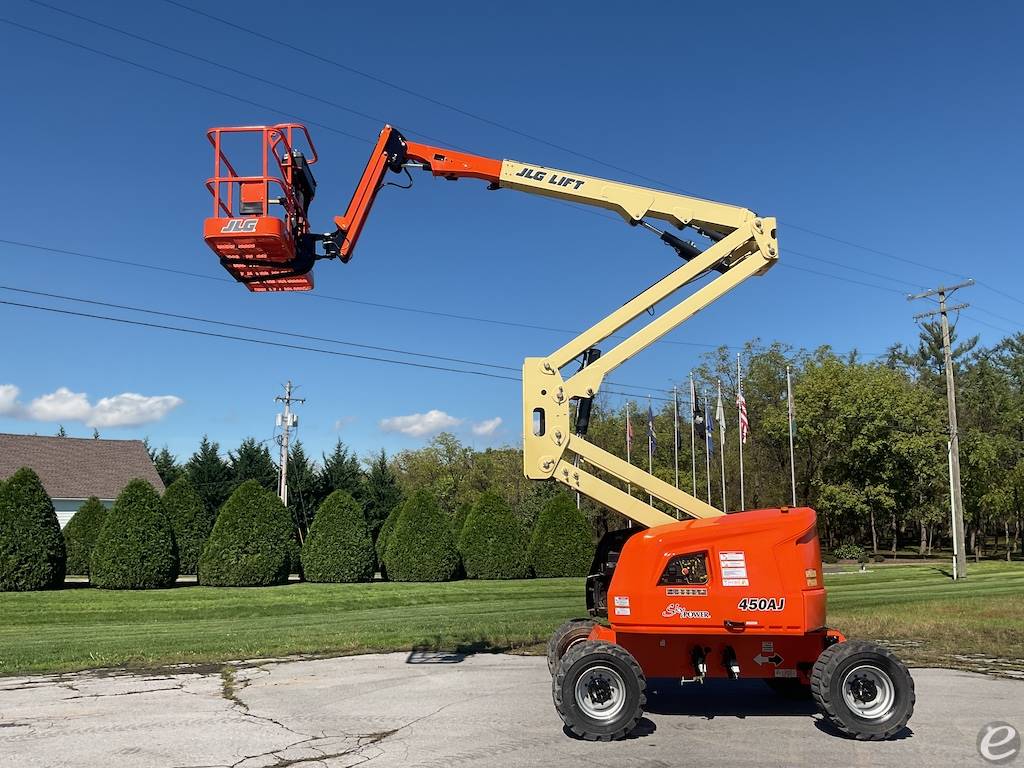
447	710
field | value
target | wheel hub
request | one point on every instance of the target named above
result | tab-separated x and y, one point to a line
600	692
864	690
869	692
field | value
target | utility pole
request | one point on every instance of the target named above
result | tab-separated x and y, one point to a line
286	421
943	292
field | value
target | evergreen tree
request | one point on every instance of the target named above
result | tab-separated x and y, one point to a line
95	434
338	548
252	461
251	544
302	487
136	547
341	472
81	533
563	542
167	466
209	474
191	520
421	547
382	493
32	554
61	432
493	543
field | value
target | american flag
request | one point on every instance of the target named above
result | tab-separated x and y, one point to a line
741	405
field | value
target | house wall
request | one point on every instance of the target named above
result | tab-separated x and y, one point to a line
67	507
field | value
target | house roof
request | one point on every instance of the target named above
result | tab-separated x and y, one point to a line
77	468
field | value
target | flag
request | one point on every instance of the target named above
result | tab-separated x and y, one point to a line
741	406
710	433
629	432
652	441
720	416
698	419
790	407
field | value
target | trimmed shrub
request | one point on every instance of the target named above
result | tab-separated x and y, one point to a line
339	547
562	543
135	548
251	543
849	552
829	559
386	530
421	546
81	533
493	543
32	554
459	521
191	521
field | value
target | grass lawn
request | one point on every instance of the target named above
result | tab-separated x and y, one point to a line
917	608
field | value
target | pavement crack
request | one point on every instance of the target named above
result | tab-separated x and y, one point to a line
122	693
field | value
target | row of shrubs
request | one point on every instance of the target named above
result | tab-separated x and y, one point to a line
144	541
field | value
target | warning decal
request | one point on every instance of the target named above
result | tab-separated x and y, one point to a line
734	569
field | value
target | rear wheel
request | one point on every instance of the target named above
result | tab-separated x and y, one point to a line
599	691
565	637
863	689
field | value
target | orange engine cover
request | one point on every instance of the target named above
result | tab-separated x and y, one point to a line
263	238
756	572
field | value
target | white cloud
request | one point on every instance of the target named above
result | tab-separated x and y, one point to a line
344	421
128	409
487	427
62	405
420	424
9	405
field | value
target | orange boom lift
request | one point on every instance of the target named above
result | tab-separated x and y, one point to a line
713	596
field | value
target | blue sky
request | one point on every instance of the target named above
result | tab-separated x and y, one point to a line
891	126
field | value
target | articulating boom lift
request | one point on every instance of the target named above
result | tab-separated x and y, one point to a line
714	596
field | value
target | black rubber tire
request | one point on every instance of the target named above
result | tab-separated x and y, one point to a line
826	686
566	636
575	663
789	688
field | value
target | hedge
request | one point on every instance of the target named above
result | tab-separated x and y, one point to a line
191	520
493	543
338	547
32	554
562	543
251	543
136	547
386	530
421	547
81	533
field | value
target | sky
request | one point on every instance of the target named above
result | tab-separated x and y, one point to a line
884	139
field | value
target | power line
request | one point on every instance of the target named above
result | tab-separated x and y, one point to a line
362	140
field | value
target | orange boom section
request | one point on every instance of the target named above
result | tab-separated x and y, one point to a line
260	226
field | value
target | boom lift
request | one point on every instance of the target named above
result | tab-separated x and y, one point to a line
713	596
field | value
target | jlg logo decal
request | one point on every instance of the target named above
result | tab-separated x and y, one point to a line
762	604
240	225
556	179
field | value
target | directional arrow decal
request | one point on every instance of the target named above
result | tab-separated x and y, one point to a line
773	659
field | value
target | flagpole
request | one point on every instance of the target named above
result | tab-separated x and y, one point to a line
650	444
720	416
790	408
693	437
675	431
708	439
629	445
742	435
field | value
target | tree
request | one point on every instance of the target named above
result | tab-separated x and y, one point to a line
136	547
251	543
421	546
167	466
382	494
32	554
341	472
252	461
61	432
209	474
302	488
81	533
338	548
380	546
191	520
95	434
494	543
562	543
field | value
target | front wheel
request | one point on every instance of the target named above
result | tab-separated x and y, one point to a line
863	689
599	691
